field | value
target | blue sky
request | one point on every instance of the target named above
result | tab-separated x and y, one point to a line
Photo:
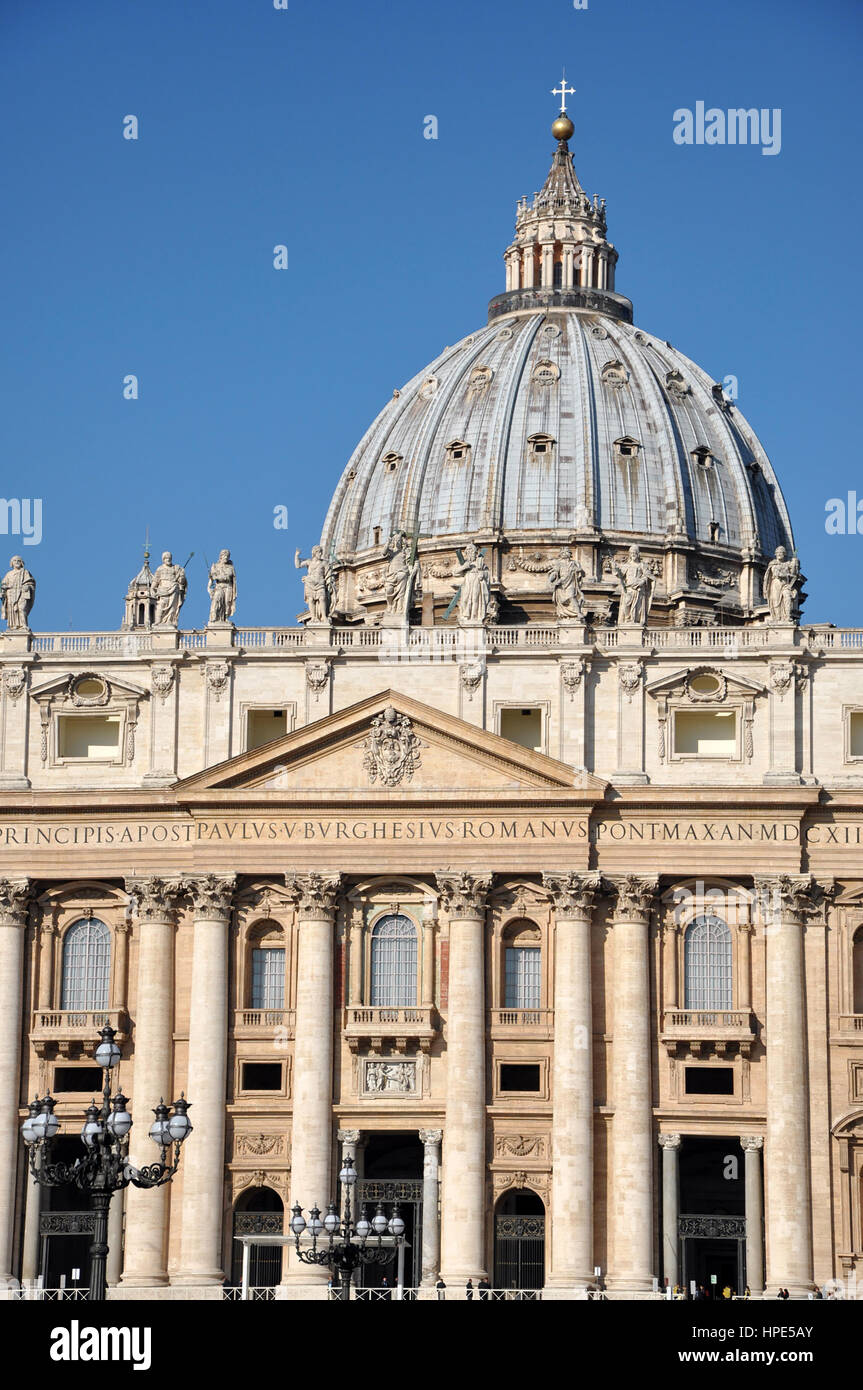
305	128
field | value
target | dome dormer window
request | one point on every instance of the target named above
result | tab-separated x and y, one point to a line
627	447
540	448
546	372
615	375
703	456
457	452
479	381
391	461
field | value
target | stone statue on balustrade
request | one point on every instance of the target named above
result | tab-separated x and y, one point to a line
474	602
169	591
18	590
781	582
401	575
318	584
565	575
636	589
222	588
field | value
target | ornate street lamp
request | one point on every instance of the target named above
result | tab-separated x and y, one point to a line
104	1169
349	1244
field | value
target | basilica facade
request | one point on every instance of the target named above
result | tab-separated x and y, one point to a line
525	870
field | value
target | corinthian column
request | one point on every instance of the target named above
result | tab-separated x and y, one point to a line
463	1225
153	1055
204	1154
431	1141
632	1137
572	1260
312	1122
785	904
15	897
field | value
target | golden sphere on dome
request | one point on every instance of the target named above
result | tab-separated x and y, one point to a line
562	128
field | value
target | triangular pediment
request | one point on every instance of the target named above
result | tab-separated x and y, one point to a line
729	683
391	745
68	685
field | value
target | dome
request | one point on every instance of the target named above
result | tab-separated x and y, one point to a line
560	421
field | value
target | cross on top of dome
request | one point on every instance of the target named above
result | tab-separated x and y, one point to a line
563	92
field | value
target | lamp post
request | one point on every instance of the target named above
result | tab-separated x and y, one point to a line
103	1168
349	1243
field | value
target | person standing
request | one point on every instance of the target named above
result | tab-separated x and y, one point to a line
441	1290
468	1290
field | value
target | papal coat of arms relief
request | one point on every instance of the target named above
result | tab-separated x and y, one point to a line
392	750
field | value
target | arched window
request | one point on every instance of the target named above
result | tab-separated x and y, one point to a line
268	977
522	966
857	970
707	964
394	962
85	981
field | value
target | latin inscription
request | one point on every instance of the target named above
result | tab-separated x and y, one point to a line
501	829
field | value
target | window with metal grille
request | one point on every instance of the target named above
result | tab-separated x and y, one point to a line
268	978
394	962
86	972
707	964
523	986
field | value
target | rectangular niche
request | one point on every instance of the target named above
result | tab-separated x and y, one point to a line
90	737
705	733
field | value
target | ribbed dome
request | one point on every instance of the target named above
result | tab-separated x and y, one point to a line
559	426
638	439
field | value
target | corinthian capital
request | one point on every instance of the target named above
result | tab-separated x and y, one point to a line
792	897
634	897
15	896
572	894
212	894
316	894
463	894
156	898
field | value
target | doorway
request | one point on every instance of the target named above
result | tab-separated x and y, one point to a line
712	1222
260	1212
392	1171
519	1241
66	1226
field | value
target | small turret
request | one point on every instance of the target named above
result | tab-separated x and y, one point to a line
140	599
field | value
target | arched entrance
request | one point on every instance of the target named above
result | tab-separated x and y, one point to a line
519	1240
260	1212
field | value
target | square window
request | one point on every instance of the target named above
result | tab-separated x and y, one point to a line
82	1079
263	725
261	1076
518	1076
709	1081
705	733
522	726
95	737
